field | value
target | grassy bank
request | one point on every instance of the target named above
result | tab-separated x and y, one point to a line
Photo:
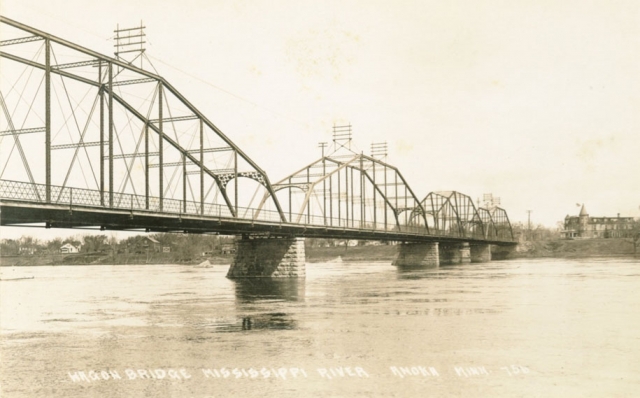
575	248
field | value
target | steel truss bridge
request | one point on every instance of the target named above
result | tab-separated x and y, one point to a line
87	140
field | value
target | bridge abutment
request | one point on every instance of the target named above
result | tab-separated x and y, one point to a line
418	255
268	258
480	253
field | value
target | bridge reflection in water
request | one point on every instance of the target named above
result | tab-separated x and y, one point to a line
255	293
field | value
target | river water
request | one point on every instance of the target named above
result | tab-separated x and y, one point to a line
523	328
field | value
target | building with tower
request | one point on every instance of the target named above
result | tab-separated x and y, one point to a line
586	227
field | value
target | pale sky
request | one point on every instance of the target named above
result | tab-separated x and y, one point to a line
536	102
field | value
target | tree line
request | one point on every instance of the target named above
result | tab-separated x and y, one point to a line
188	244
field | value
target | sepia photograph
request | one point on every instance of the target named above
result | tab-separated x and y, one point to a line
296	198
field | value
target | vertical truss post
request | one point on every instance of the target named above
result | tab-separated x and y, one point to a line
339	207
289	198
101	133
395	188
324	189
47	102
184	183
386	196
406	195
308	201
235	181
110	134
330	200
352	216
346	197
201	167
375	211
458	217
146	166
160	149
362	212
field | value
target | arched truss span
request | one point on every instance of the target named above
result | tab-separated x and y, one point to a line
117	135
351	191
501	225
454	214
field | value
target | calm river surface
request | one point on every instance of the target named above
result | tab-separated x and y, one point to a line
525	328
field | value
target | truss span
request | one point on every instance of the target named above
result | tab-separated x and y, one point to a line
351	191
87	140
72	118
454	214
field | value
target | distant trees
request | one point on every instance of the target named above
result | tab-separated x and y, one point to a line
182	246
538	232
94	243
24	245
9	247
635	236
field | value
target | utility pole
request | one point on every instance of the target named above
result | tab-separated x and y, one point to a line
130	41
322	145
529	223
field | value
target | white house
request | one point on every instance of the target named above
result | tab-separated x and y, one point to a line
69	248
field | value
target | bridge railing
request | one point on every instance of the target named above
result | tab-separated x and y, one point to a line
334	222
24	191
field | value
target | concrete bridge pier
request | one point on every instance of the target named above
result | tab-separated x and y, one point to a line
418	255
455	253
268	257
480	253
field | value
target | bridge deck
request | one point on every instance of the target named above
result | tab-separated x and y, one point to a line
15	213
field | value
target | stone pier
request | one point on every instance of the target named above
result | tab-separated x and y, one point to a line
260	257
455	253
418	255
480	253
502	252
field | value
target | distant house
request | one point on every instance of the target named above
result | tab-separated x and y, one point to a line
69	248
155	245
144	244
586	227
27	251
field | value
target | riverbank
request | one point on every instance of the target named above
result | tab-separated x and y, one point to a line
578	248
539	249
